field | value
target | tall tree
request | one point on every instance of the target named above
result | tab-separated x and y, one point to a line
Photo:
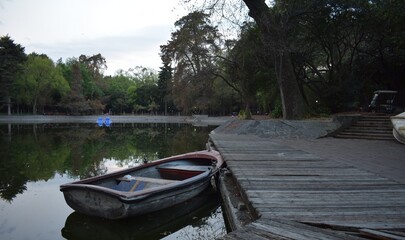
92	73
75	102
274	25
12	57
39	81
245	67
191	49
118	90
165	75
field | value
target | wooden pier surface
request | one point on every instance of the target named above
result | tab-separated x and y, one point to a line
298	195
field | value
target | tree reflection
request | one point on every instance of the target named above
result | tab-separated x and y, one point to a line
38	152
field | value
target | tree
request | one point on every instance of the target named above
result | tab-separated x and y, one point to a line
96	64
75	101
165	76
12	57
192	48
245	67
119	93
274	25
133	90
39	81
92	72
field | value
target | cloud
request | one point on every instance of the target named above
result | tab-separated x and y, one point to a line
127	33
141	48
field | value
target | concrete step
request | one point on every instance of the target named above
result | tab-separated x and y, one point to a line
366	136
369	127
372	123
365	133
370	134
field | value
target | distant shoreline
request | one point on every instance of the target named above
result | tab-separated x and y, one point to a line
38	119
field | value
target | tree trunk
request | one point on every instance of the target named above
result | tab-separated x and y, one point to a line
8	105
291	98
274	36
248	113
34	107
165	107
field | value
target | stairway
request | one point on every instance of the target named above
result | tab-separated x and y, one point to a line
373	127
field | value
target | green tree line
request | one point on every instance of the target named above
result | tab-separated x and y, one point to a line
291	59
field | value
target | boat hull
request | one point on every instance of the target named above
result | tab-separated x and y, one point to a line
98	197
398	123
79	226
101	204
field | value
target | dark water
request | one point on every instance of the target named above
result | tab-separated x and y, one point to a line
36	159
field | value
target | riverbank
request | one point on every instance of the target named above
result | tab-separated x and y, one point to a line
202	120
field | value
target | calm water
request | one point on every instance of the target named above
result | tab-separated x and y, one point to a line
36	159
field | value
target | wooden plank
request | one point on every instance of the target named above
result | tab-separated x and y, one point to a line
285	184
351	225
316	202
298	172
274	164
342	219
290	210
311	178
294	230
251	233
345	195
276	156
329	191
374	234
336	185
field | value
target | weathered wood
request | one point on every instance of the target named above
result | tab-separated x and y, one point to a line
302	164
147	179
271	157
285	186
380	235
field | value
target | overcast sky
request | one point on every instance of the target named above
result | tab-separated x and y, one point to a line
127	33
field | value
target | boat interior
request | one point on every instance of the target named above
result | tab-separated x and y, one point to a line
155	175
169	174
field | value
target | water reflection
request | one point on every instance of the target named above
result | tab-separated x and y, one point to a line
38	152
36	159
195	212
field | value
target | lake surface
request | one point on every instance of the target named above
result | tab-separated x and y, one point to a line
36	159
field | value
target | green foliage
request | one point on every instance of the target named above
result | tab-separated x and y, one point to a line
277	111
12	57
39	82
247	71
192	48
245	115
347	49
163	99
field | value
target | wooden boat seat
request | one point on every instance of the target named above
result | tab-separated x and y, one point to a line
181	172
139	183
195	168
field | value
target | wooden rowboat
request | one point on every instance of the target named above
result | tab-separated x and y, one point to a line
143	189
398	123
150	226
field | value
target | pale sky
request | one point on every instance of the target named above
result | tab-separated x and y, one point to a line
127	33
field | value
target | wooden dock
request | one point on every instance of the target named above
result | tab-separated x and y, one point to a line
296	195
